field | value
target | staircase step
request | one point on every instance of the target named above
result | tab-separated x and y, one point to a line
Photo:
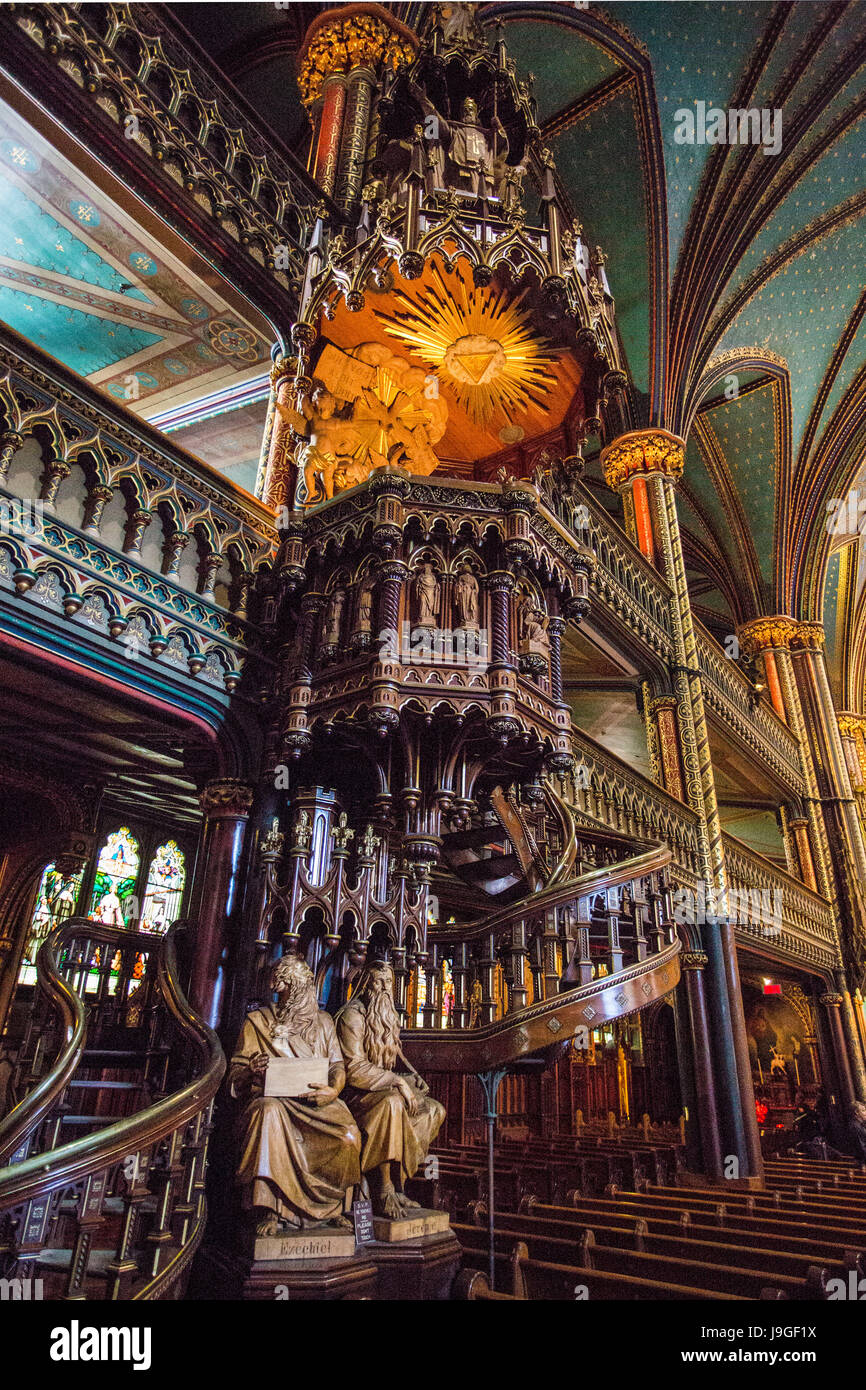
91	1119
126	1051
108	1085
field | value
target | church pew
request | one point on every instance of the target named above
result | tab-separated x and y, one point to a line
815	1247
721	1216
684	1243
817	1203
549	1281
592	1251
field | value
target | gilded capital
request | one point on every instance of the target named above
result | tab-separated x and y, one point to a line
227	797
283	369
693	960
642	452
808	635
762	634
852	724
350	37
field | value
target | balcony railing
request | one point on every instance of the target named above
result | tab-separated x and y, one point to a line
106	523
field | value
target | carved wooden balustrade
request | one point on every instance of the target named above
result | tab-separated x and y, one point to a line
730	697
636	600
594	945
201	153
120	1211
778	910
107	525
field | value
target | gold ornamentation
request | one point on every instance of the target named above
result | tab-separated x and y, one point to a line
808	635
642	452
353	36
368	409
762	634
226	798
480	344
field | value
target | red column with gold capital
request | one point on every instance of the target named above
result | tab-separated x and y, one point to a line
226	806
644	467
280	470
346	51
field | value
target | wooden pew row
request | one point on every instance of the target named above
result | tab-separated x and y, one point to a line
551	1179
777	1237
545	1280
798	1275
591	1168
816	1203
593	1252
722	1215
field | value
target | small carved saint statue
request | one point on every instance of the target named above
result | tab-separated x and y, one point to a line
334	618
466	598
397	1116
427	595
298	1154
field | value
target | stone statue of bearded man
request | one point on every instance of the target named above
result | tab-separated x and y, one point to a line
395	1113
298	1154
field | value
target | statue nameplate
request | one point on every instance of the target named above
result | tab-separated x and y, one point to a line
306	1245
419	1223
292	1076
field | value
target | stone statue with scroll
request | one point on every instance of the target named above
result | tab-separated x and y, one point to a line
395	1112
299	1146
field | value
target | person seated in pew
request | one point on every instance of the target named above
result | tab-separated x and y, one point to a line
811	1127
857	1128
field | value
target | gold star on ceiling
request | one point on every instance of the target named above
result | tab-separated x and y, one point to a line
480	344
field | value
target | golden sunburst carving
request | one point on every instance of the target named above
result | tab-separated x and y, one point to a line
479	343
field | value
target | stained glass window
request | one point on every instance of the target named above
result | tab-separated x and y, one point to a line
164	890
56	899
447	993
114	884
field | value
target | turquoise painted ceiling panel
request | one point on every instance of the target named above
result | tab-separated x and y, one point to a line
607	138
746	435
698	52
81	341
565	63
30	235
701	484
837	175
800	314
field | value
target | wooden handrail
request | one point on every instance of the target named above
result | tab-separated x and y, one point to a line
656	856
73	1161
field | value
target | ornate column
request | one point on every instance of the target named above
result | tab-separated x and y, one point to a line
663	714
799	828
832	1003
655	458
212	566
693	964
138	522
345	51
280	471
10	443
97	500
173	549
56	471
774	636
555	629
226	805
